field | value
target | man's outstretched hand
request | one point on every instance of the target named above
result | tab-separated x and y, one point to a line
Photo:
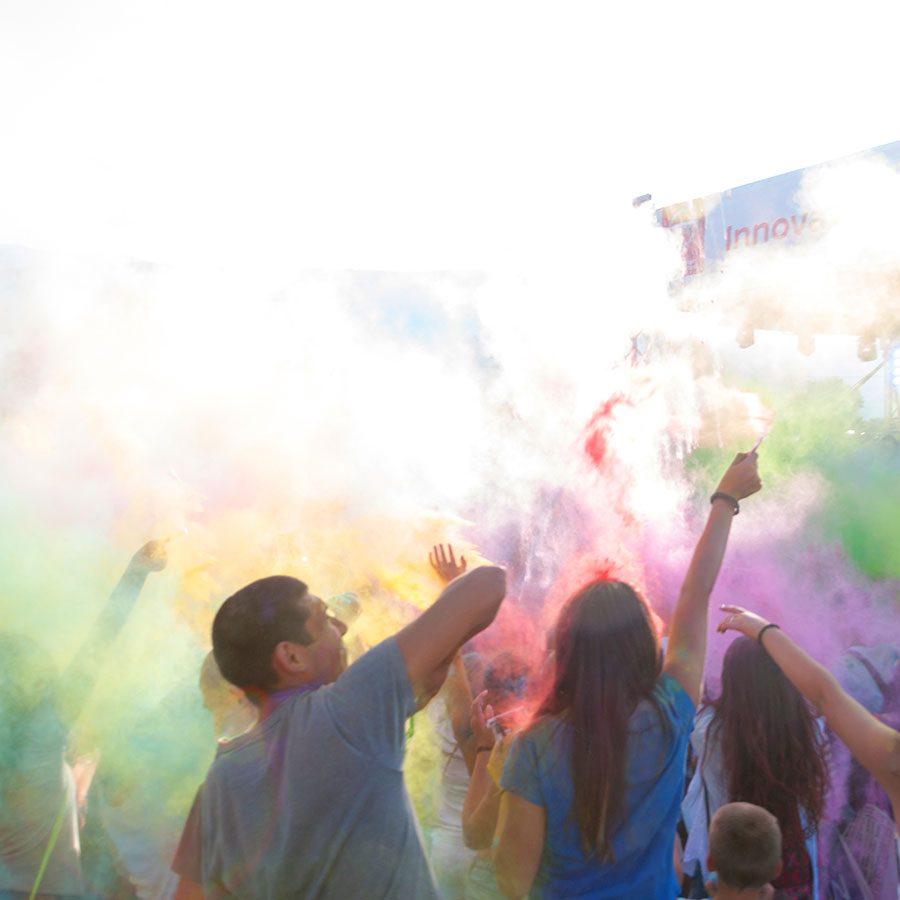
445	564
150	558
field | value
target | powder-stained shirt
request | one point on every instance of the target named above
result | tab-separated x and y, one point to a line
311	802
38	812
539	769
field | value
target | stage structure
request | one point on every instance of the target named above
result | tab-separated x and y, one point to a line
715	230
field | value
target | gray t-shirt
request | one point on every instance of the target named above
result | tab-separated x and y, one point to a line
311	803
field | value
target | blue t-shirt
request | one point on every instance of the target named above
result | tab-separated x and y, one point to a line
539	769
311	803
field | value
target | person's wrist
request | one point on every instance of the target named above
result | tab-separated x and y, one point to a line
725	498
766	626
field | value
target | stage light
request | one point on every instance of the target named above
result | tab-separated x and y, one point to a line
746	336
806	344
867	348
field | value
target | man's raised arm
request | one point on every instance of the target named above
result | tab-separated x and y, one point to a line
464	608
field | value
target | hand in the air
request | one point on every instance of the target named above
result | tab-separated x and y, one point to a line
742	620
150	558
445	564
741	478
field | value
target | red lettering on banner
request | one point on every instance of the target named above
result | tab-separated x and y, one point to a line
737	236
779	230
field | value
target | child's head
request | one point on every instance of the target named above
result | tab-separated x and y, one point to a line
744	846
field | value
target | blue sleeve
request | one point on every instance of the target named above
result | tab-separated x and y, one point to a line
370	703
675	701
520	773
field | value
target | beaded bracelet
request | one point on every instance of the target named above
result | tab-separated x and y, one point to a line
763	630
721	495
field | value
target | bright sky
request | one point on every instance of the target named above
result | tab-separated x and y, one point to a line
413	135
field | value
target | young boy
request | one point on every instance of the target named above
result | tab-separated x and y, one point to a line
744	852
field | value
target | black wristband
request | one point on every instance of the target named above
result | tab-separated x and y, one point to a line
483	750
721	495
763	630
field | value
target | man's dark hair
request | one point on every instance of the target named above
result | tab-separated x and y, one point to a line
744	845
251	623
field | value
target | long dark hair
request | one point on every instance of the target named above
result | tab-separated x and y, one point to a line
606	661
772	750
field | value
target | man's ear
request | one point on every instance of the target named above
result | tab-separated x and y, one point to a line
778	870
289	660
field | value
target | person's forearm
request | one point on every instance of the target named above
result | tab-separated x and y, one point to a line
686	651
687	637
481	806
874	744
813	680
459	704
118	607
465	607
708	554
689	621
81	673
459	694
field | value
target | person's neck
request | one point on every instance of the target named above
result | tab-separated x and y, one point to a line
273	699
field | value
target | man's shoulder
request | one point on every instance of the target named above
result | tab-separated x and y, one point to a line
387	654
370	702
383	663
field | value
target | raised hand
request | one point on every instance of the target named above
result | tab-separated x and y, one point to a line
741	478
445	564
478	721
742	620
150	558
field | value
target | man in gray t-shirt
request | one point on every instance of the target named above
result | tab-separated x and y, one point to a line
311	802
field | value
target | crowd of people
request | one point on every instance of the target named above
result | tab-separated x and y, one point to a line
604	770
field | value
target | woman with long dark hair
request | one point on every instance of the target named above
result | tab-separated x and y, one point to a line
592	788
759	743
874	743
